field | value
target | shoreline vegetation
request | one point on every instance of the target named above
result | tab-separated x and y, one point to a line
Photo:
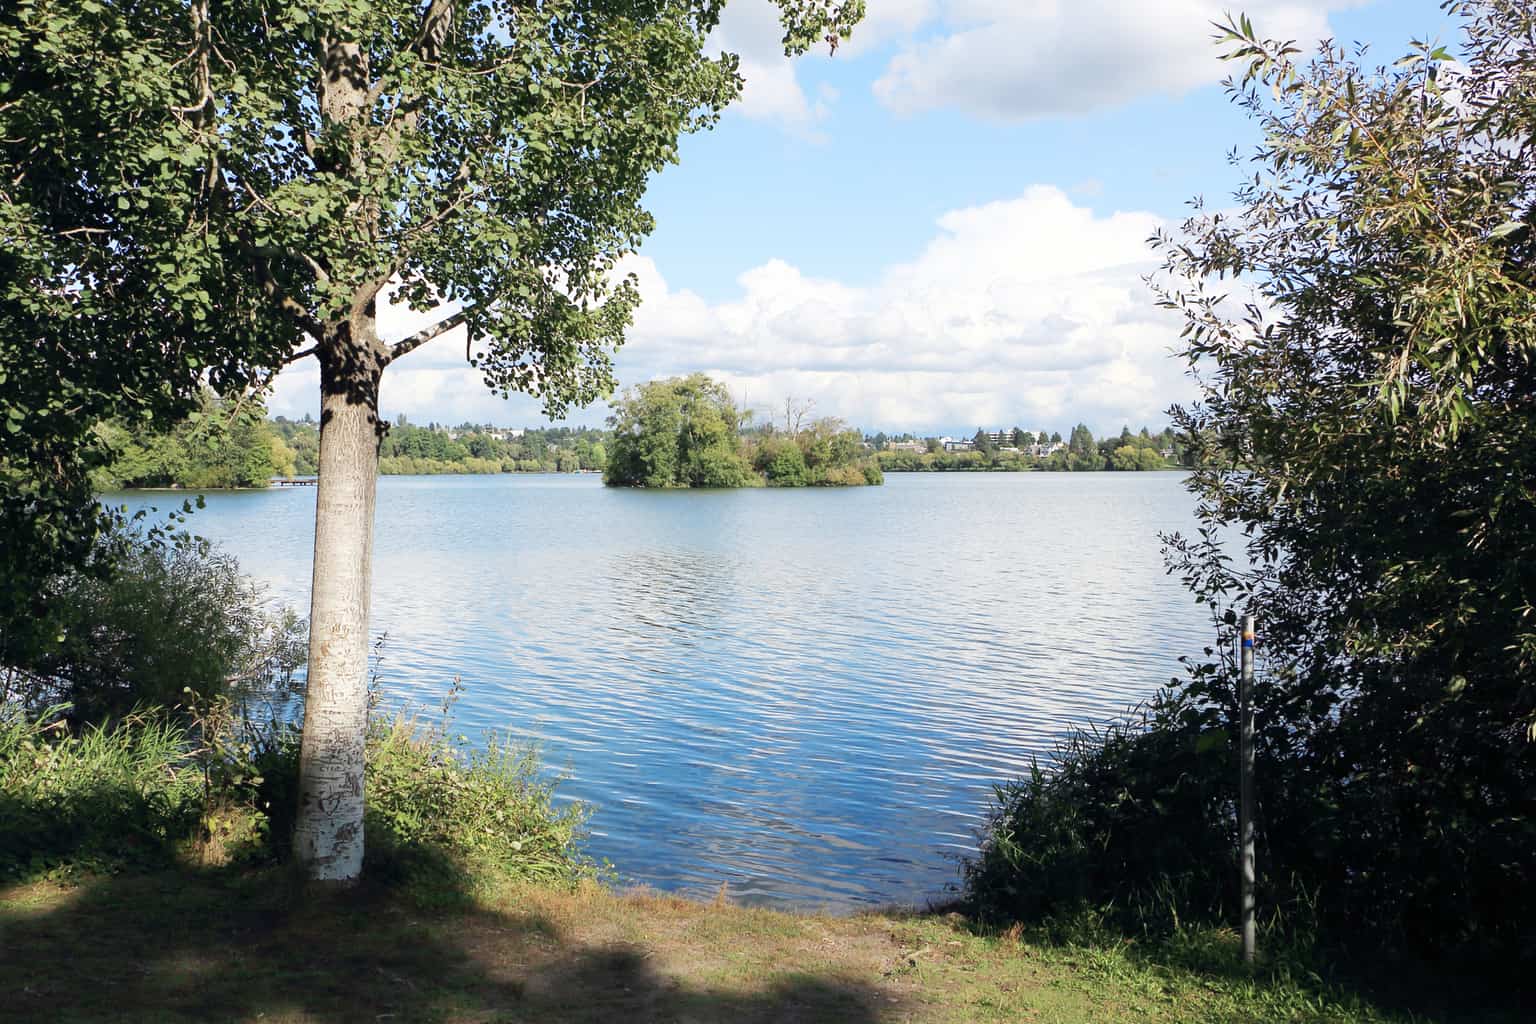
232	446
1022	451
684	432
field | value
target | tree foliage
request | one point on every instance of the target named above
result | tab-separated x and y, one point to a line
1361	329
219	445
211	183
1368	421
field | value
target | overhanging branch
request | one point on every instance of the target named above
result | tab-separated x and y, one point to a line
421	337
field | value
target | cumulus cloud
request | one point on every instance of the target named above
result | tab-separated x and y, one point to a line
772	87
771	90
1012	60
1030	311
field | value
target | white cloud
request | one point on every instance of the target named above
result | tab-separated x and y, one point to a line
1015	60
1029	311
771	85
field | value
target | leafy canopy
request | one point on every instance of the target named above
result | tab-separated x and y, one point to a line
192	188
1366	432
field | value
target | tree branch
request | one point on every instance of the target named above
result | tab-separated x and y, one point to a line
287	304
421	337
436	23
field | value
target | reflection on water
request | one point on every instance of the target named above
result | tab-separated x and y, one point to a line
805	694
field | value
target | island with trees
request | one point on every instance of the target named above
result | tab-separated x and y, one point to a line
688	432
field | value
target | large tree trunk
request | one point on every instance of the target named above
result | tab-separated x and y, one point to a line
328	835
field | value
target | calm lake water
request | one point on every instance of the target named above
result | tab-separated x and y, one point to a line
805	694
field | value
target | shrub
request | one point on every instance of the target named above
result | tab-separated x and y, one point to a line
118	633
222	789
1135	823
782	462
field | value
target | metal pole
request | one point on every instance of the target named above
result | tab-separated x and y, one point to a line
1245	789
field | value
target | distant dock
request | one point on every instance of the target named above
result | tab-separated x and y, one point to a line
305	481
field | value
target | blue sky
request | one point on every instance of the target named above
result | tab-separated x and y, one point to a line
940	227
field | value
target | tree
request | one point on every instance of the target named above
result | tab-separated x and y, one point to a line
678	432
983	442
1366	430
105	303
241	176
1082	442
782	463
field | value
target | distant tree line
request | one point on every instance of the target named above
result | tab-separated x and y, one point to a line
688	432
1024	451
224	446
471	448
219	445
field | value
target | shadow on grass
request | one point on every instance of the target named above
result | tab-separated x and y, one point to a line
183	946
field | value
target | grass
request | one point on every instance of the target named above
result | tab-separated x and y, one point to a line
227	945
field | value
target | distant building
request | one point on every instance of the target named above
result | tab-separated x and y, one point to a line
907	446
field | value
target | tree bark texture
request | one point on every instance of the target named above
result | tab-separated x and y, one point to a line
328	834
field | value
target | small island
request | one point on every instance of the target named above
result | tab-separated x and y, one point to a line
688	432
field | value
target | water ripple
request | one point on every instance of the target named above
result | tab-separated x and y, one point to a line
807	695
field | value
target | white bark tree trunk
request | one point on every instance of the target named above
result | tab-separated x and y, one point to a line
328	834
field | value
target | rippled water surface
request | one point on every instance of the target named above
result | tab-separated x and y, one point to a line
805	694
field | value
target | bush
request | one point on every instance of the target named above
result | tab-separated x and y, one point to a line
781	460
1135	824
153	788
118	633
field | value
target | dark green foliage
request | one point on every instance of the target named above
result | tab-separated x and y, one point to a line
1136	822
1366	441
101	798
220	445
782	462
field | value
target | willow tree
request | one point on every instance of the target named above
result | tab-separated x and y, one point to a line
287	163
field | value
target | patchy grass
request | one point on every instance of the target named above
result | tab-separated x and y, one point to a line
229	946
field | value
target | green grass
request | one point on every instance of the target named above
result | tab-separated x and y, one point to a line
245	946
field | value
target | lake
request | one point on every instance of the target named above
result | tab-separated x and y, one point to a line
806	695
